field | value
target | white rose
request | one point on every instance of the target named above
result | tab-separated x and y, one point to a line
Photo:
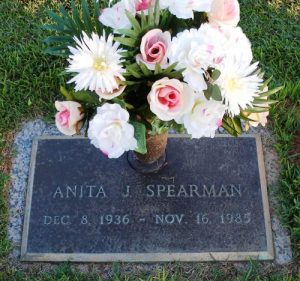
224	12
110	131
115	17
205	118
170	99
184	9
237	45
196	50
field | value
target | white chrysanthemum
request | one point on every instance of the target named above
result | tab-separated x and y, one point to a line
196	50
110	131
239	85
184	9
97	62
205	117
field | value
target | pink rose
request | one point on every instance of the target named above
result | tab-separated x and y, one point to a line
138	5
141	5
170	99
68	116
259	118
224	12
154	48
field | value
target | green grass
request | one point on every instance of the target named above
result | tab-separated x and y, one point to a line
285	120
29	83
179	273
29	79
274	30
273	27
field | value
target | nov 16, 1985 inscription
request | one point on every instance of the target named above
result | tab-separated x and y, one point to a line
205	204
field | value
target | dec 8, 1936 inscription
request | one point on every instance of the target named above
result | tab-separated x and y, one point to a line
209	202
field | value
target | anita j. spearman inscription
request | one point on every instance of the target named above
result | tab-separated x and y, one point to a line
208	203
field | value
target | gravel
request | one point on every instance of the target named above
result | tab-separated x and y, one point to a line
19	176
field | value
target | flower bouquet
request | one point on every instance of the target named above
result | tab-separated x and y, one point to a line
140	68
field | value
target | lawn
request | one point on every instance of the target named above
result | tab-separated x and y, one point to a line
29	83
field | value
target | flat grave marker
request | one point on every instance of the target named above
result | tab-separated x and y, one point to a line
208	203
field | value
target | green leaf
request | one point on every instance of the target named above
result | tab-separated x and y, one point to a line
215	74
86	97
76	16
216	93
213	91
54	27
125	41
266	83
258	101
96	16
120	102
145	69
207	94
140	136
232	125
176	74
165	20
143	20
158	69
57	51
159	127
237	125
128	32
133	71
135	24
271	92
243	116
257	109
58	19
86	16
69	96
130	83
151	16
72	22
129	106
208	91
54	39
156	13
69	21
171	67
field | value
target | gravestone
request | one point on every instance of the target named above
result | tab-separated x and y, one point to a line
209	202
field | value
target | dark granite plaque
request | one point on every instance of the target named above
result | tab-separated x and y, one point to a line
208	203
